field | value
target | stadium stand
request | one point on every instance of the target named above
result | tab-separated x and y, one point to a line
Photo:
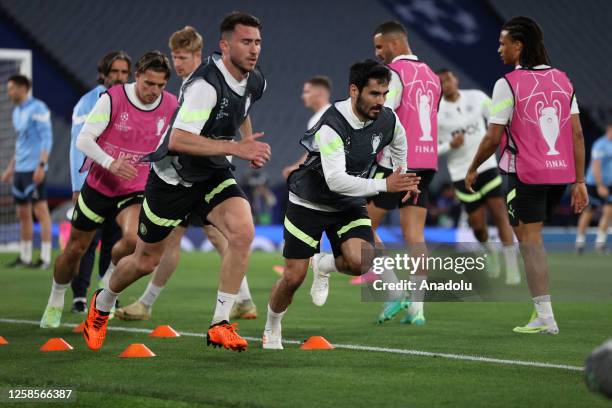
76	36
576	46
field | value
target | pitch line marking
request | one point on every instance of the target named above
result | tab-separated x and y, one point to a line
450	356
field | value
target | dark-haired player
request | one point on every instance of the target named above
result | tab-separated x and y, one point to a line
191	173
113	68
414	95
542	152
327	193
126	123
28	167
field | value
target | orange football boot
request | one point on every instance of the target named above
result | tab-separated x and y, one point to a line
94	331
224	334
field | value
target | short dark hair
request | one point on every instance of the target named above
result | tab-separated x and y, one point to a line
362	72
320	80
234	18
106	62
391	27
20	80
529	33
154	60
441	71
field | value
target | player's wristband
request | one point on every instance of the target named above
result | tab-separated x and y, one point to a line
42	164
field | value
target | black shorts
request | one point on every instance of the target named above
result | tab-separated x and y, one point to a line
93	208
487	185
391	201
25	191
165	205
531	203
304	228
595	200
194	220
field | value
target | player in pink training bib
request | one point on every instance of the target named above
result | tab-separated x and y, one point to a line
126	123
414	94
543	151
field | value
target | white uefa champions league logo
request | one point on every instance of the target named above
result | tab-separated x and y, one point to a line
376	138
424	107
122	126
549	124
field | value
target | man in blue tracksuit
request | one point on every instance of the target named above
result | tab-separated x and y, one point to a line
114	68
27	169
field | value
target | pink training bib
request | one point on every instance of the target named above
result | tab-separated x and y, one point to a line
540	131
418	112
131	133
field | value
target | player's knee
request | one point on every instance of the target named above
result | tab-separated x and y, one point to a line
146	263
241	238
412	236
129	241
75	249
353	263
24	212
293	280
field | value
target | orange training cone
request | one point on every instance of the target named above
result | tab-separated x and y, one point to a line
3	341
164	331
56	344
137	350
79	328
316	343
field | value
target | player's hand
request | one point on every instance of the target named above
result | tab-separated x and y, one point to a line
39	175
580	197
122	168
249	148
7	175
458	139
470	179
399	181
603	191
257	164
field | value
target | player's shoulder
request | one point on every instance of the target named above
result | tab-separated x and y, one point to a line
473	93
389	113
501	86
601	143
197	87
476	96
38	105
88	100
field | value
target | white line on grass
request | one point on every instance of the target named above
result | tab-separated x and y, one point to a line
464	357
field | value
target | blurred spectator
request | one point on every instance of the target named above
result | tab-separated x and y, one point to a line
261	197
446	211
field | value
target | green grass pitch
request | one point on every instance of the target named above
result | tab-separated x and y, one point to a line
187	373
